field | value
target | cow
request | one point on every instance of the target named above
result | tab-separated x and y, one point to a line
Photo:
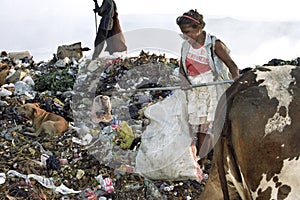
257	153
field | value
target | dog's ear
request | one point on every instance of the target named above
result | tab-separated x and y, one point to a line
37	105
33	111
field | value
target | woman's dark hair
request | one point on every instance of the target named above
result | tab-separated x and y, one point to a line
192	18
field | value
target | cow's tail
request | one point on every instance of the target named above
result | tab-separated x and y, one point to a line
219	149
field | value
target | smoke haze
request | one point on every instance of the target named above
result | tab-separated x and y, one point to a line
251	42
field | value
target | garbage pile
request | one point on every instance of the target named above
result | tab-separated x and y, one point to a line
94	158
275	62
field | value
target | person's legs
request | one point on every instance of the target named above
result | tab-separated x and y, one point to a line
99	42
201	138
205	144
205	141
198	132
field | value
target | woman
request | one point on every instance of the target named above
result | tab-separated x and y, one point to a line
204	58
109	29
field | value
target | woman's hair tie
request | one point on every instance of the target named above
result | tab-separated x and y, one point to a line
191	18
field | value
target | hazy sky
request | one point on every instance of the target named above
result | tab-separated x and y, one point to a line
40	26
251	9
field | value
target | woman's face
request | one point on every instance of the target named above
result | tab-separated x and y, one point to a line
191	34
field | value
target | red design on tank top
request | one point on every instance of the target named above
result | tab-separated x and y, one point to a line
197	61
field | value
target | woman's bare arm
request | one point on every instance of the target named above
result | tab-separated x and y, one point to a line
221	52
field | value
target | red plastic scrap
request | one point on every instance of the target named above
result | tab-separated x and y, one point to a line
115	126
90	195
109	188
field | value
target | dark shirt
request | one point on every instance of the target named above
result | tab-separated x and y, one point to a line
107	11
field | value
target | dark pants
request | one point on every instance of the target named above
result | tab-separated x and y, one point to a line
99	42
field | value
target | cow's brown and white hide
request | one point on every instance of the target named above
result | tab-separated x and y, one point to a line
257	154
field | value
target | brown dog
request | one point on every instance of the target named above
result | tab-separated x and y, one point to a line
43	121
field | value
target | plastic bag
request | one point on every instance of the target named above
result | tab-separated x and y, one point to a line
167	151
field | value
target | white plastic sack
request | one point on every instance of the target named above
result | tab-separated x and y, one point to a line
167	151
